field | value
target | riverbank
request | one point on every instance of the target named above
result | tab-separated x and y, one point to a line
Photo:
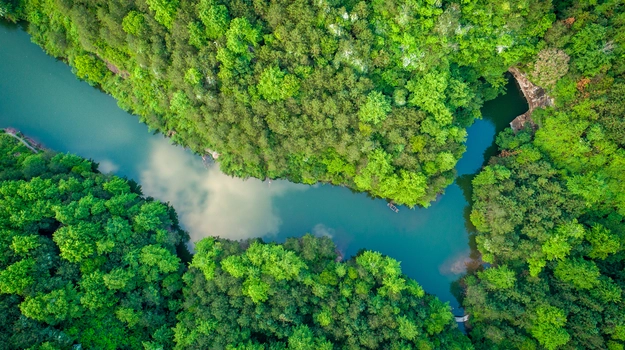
27	141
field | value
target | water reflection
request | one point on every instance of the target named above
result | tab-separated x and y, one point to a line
321	230
208	202
456	265
107	166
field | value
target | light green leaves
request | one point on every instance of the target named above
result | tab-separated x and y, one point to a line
240	36
428	93
371	261
275	85
256	289
262	261
580	273
603	242
53	307
439	317
90	68
324	317
560	243
378	166
23	244
303	338
206	251
235	266
214	17
193	76
379	178
17	276
375	109
547	327
498	277
407	328
154	255
118	279
133	23
164	11
152	216
76	241
445	161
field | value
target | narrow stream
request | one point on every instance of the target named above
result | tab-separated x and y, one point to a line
42	98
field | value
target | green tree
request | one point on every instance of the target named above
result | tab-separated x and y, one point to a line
133	23
548	327
90	68
375	109
580	273
164	11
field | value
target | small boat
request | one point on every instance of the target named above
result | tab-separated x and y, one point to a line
392	207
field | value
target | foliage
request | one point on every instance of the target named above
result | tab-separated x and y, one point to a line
82	255
551	65
551	208
286	89
297	295
85	261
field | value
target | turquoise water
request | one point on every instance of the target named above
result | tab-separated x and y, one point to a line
41	97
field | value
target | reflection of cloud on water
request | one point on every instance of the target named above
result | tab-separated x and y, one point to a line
455	265
321	230
106	166
209	202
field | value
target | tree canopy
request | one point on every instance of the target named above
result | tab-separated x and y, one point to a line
86	261
373	95
550	209
299	296
82	255
304	90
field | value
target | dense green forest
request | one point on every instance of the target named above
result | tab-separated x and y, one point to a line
373	95
550	209
83	258
87	262
297	295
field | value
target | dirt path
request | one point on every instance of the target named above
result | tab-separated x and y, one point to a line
9	131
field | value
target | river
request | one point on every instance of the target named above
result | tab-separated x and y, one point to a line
41	97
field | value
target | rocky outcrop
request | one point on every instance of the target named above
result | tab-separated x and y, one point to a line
113	68
536	98
212	153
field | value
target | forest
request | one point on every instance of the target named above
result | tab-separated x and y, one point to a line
549	210
87	262
374	95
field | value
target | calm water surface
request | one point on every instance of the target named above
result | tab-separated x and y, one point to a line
42	98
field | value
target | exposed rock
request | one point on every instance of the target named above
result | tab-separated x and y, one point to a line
212	153
122	73
536	98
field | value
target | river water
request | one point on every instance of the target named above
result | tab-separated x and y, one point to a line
41	97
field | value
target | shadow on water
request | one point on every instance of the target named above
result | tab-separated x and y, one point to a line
10	26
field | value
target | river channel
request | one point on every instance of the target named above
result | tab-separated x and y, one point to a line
42	98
